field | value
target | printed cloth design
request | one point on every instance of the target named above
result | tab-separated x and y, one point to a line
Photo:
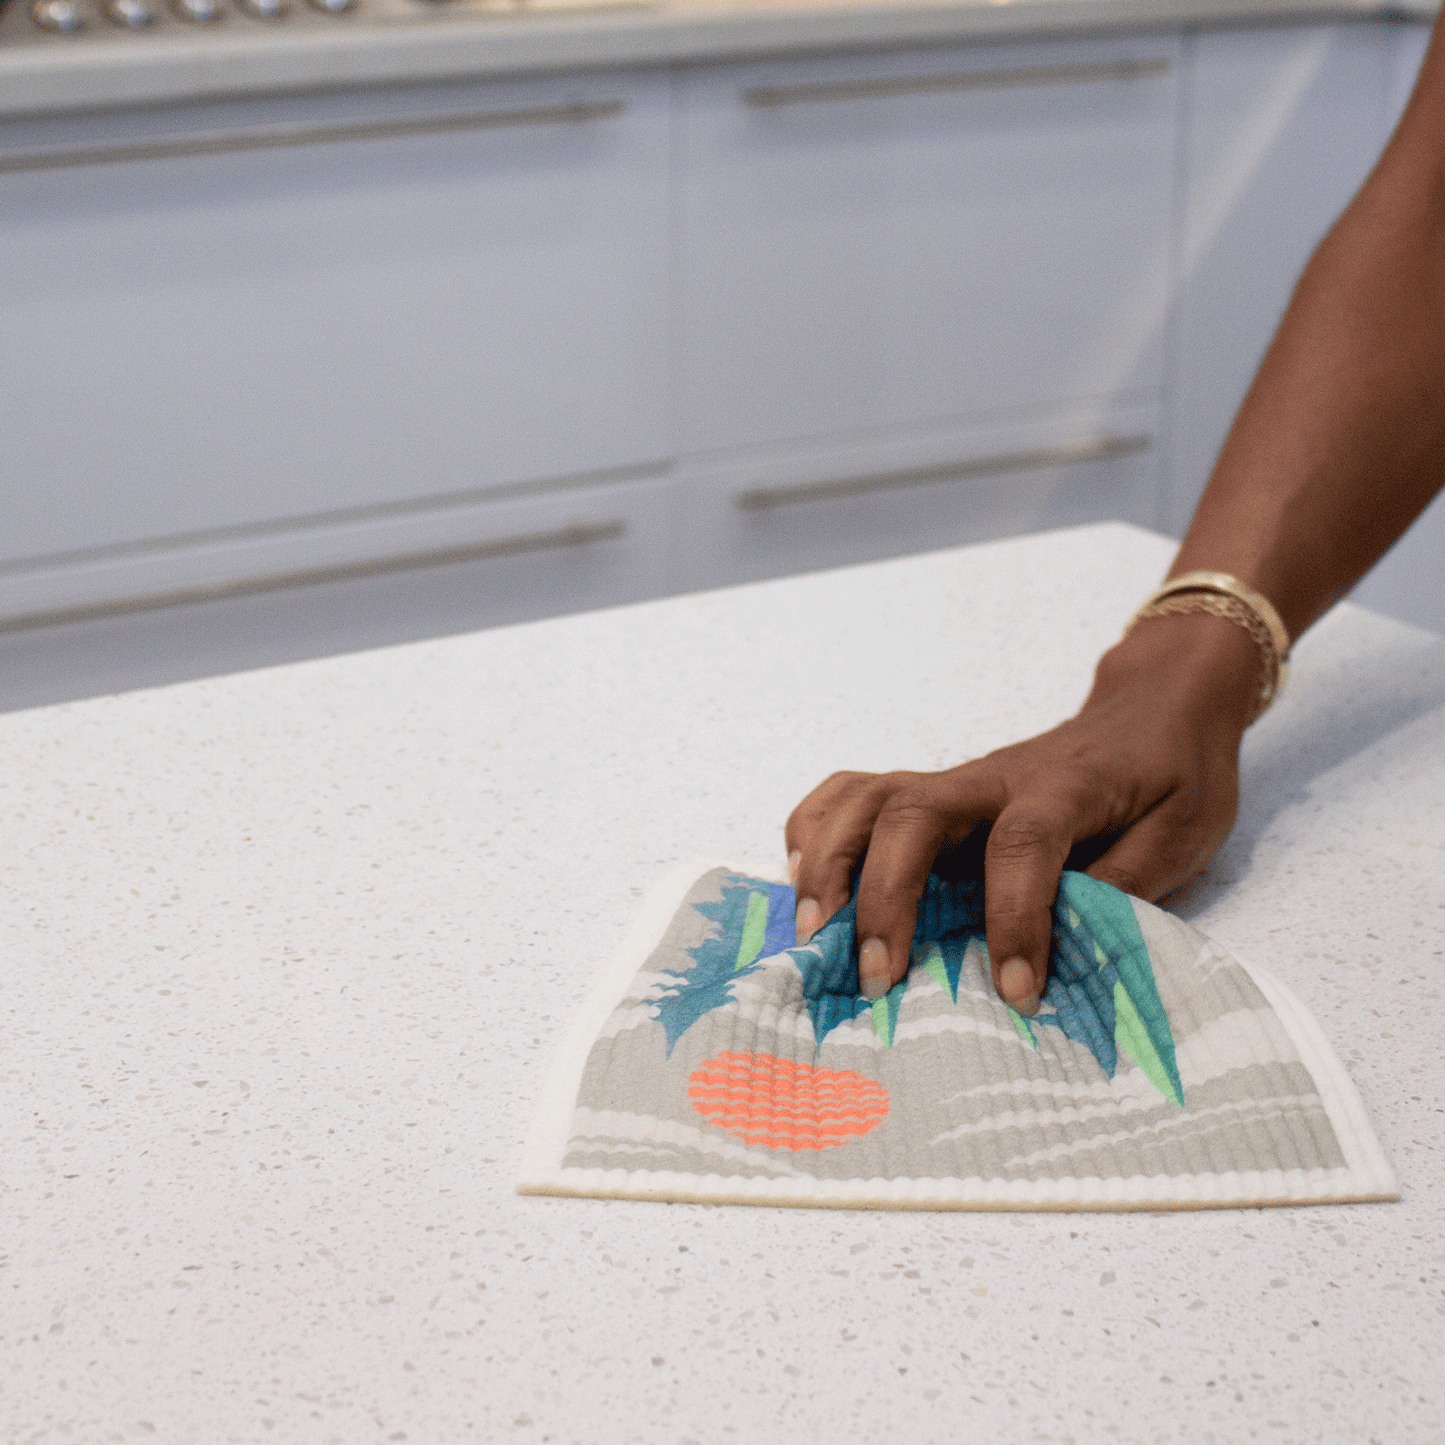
762	1099
722	1062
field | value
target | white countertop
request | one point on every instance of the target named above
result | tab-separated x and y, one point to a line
412	44
286	953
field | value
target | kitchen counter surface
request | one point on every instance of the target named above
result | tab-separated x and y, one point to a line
286	954
406	42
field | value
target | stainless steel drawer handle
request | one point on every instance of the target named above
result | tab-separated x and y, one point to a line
774	95
762	499
285	137
579	534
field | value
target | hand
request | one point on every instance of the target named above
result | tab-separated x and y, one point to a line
1140	789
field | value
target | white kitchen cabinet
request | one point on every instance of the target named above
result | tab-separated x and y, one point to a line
622	333
528	555
890	240
223	351
1283	126
854	498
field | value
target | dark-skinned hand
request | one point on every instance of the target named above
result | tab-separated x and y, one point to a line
1139	789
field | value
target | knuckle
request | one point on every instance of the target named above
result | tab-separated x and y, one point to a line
1021	929
1093	782
1097	795
1024	835
833	860
908	806
796	832
887	910
805	815
836	795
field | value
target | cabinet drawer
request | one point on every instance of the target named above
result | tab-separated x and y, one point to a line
224	315
515	558
891	239
830	506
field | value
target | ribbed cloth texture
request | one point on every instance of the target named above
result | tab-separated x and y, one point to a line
1157	1073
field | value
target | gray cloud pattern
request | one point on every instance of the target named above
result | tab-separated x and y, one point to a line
978	1114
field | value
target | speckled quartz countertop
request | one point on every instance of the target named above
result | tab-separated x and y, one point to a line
286	954
405	42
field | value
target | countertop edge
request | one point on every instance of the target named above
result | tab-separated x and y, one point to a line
106	75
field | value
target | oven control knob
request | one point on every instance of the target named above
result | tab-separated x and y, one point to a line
335	7
198	12
135	14
57	15
265	9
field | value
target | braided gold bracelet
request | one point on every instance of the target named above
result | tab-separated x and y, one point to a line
1220	595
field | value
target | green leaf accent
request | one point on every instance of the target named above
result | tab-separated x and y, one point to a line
708	984
882	1024
885	1012
1025	1028
1132	1037
932	960
1074	920
755	930
1081	990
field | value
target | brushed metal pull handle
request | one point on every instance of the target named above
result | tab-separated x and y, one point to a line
578	534
762	499
775	95
287	137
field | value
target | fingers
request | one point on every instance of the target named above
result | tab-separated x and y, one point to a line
898	823
1026	852
826	835
903	821
922	814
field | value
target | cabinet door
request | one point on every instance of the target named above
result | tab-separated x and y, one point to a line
1283	127
892	239
795	509
263	314
555	550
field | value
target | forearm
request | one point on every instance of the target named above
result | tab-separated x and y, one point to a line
1338	446
1340	442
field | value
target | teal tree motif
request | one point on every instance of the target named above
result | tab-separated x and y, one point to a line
755	922
1101	991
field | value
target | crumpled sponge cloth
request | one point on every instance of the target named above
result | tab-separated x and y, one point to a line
720	1062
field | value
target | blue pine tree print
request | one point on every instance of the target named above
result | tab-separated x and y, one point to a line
1101	991
755	922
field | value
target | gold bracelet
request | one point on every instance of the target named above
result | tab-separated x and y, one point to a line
1220	595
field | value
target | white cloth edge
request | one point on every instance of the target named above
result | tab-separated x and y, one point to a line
552	1120
1367	1176
1252	1190
1365	1158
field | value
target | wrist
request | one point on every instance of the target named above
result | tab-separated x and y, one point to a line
1221	594
1205	666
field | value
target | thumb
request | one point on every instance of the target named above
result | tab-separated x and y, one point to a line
1163	850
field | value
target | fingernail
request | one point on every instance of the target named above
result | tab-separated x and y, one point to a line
794	858
873	980
1017	988
809	918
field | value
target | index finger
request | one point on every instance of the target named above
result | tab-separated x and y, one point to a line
923	815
